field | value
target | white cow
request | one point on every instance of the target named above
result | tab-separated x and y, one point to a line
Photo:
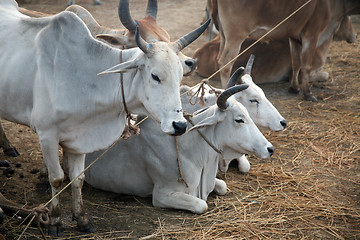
49	81
147	164
260	109
125	38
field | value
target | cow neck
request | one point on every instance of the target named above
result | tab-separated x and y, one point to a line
188	118
129	127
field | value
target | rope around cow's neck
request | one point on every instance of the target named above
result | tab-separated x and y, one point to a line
22	233
129	127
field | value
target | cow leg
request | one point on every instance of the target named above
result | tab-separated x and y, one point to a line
243	164
231	49
75	165
5	144
318	62
167	198
308	51
220	187
50	150
295	49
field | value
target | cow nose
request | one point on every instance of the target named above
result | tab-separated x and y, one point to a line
271	150
191	63
180	128
283	123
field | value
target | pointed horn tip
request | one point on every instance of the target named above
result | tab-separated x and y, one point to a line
234	77
101	73
206	24
108	72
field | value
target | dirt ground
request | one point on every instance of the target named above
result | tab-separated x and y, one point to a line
309	189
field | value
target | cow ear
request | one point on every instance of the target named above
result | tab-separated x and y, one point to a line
123	67
114	39
218	116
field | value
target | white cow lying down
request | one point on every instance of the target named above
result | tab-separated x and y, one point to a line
147	165
49	82
260	109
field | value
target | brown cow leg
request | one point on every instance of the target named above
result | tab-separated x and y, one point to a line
231	49
306	65
295	49
5	144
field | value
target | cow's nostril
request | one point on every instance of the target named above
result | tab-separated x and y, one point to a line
271	150
179	127
191	63
283	123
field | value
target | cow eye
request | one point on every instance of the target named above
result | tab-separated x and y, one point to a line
254	101
156	78
239	120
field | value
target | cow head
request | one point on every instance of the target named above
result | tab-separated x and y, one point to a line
158	79
346	31
235	132
264	114
149	31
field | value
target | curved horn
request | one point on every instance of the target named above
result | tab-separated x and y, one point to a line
151	9
191	36
249	64
140	42
233	79
125	17
221	101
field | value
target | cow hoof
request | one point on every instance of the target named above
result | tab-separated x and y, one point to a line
293	90
310	97
2	216
89	228
55	230
12	152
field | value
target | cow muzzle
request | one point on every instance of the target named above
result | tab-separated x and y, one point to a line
191	65
179	128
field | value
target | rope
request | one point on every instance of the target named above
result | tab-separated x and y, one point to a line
181	178
188	118
56	195
129	128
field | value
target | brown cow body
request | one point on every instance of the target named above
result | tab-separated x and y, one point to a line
310	28
273	62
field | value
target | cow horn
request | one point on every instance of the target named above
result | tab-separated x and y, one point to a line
140	42
233	79
125	17
151	9
222	99
249	64
182	42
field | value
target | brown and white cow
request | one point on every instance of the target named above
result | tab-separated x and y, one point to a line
273	61
307	30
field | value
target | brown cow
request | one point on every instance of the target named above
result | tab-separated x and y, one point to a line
273	58
308	29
